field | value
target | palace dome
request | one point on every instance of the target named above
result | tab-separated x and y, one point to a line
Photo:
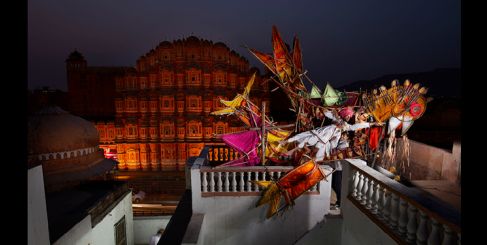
54	130
67	147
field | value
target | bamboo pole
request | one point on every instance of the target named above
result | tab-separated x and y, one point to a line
263	132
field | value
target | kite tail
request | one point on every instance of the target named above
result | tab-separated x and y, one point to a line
271	194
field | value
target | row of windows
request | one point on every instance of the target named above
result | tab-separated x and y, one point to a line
168	130
191	81
166	104
103	134
192	77
193	56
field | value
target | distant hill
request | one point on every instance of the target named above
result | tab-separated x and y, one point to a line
440	82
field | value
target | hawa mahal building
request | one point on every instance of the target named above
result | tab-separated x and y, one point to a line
157	114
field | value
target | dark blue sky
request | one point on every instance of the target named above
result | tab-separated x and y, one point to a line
342	40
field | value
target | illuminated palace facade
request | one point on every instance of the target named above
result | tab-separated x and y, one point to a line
162	107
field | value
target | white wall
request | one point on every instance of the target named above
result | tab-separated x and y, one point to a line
357	228
329	231
81	233
147	226
442	164
38	231
104	232
236	220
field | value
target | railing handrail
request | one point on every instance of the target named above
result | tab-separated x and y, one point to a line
246	169
422	200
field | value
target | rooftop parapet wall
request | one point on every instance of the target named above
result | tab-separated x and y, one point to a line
228	204
406	214
432	163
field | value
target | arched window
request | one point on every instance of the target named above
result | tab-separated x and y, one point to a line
167	129
153	80
193	103
220	128
194	129
193	77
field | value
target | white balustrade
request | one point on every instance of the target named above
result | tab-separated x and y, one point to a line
422	233
242	183
376	199
365	188
398	213
434	237
204	183
412	224
370	195
356	178
249	184
360	186
227	183
234	182
394	211
448	236
212	182
403	217
219	182
238	181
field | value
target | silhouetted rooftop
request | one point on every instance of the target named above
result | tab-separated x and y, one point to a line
68	207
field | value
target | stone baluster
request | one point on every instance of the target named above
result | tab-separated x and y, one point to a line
256	187
434	237
227	182
204	182
278	175
365	188
403	217
386	202
448	236
377	199
212	182
264	175
356	178
370	195
242	183
422	233
360	186
249	184
459	235
219	182
394	211
234	181
412	224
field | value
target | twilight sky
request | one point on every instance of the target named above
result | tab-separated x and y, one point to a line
342	40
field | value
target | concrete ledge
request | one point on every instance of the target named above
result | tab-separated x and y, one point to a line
193	230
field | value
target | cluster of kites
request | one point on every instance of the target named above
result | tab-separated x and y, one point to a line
330	124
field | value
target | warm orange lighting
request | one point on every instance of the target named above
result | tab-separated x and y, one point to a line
123	177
